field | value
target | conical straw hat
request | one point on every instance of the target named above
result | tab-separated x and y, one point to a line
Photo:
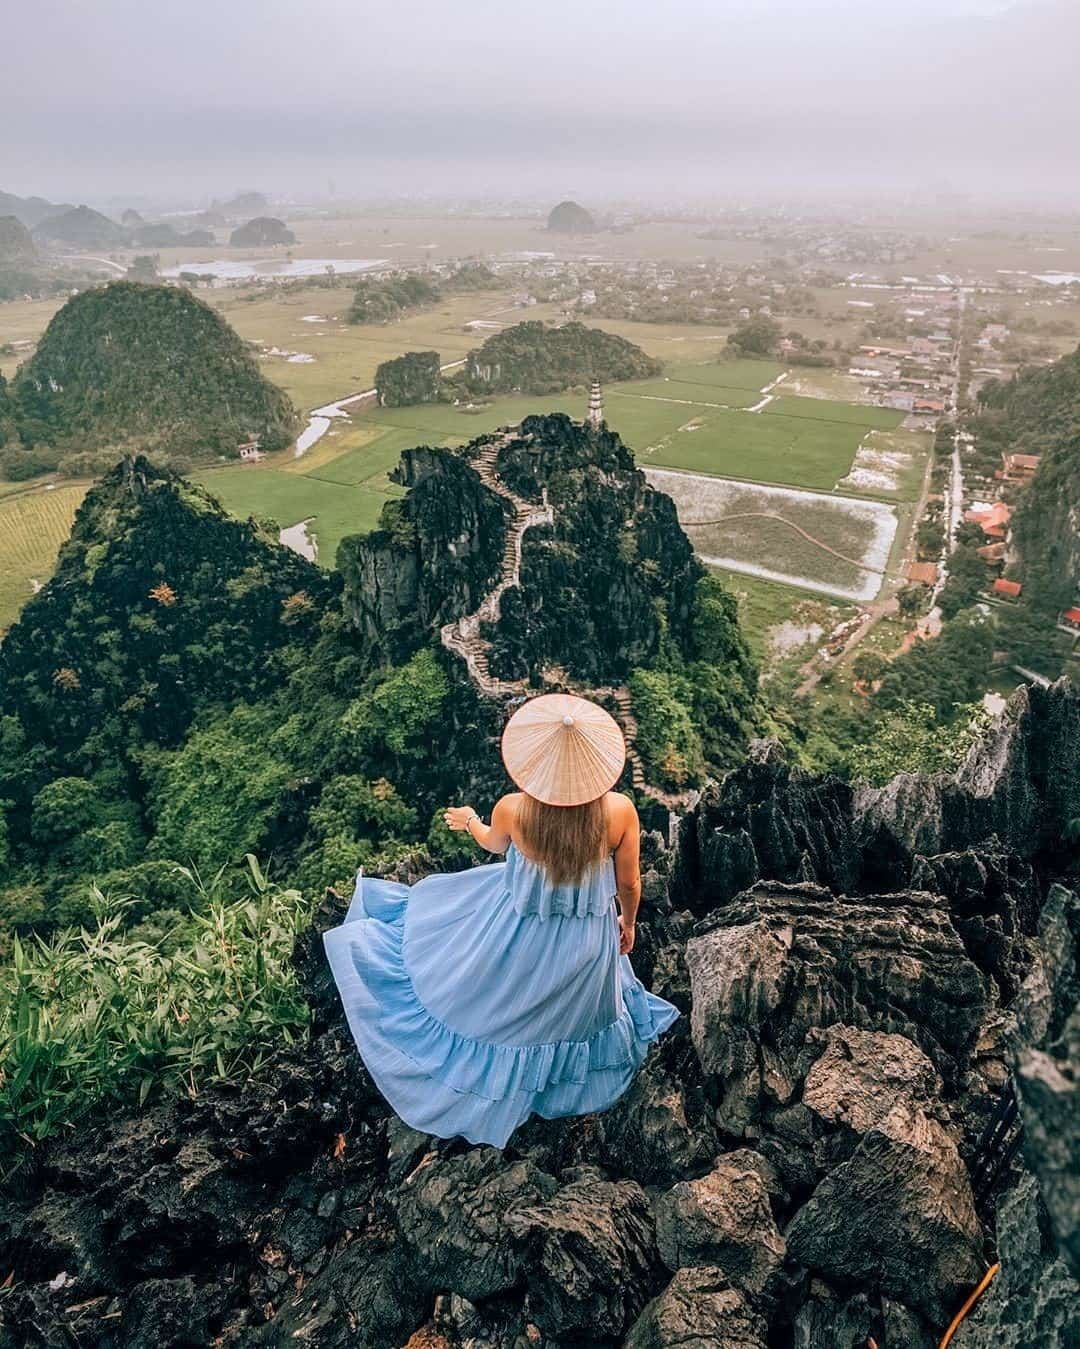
563	750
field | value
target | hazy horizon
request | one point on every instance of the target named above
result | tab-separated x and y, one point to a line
698	101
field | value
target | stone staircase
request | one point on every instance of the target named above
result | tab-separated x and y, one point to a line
464	639
463	636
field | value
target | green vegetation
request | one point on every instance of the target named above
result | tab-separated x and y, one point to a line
34	525
667	738
536	359
264	231
97	1015
412	378
150	365
795	451
380	299
1038	413
913	739
697	707
863	415
334	509
162	608
756	337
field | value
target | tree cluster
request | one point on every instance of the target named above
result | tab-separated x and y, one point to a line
412	378
535	358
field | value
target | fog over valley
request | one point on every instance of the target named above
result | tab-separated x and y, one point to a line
697	98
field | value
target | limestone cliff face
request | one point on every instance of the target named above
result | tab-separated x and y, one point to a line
612	576
600	589
433	560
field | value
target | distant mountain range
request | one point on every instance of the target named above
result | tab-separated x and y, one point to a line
30	211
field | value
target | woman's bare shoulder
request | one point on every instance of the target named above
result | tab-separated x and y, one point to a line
622	816
507	806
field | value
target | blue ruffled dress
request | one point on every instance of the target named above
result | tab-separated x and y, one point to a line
482	997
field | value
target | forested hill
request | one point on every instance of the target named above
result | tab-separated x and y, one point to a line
1038	412
160	603
539	359
16	243
150	366
162	608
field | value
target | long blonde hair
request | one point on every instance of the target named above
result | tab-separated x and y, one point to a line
567	841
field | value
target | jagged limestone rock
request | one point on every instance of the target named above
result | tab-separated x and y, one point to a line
1047	1069
782	959
588	1256
1034	1300
699	1310
765	821
614	573
861	1075
436	555
659	1132
455	1214
898	1215
994	898
827	1320
1019	784
723	1220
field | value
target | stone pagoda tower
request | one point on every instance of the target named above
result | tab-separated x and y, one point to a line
596	406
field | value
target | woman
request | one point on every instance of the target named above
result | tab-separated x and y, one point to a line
480	998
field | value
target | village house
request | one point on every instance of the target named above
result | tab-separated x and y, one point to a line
923	573
1017	467
993	554
249	452
1009	590
1069	620
929	406
993	519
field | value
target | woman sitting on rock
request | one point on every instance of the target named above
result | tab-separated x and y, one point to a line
480	998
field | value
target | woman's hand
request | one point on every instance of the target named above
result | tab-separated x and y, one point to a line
627	933
458	818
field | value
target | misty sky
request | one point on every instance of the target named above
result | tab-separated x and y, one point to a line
492	98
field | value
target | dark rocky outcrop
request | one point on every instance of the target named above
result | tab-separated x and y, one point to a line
766	821
699	1310
791	1168
1047	1068
603	583
1019	785
1036	1297
436	555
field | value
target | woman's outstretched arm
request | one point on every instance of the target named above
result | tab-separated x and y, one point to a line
495	837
